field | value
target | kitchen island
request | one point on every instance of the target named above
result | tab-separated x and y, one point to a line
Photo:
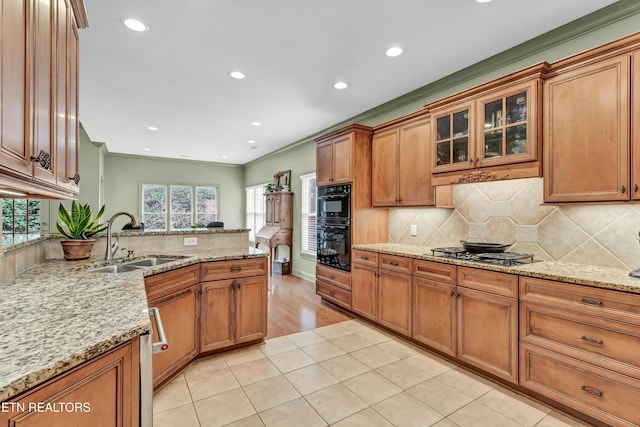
58	315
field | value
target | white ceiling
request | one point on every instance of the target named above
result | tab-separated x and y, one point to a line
176	75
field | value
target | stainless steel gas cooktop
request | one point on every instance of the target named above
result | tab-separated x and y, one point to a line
500	258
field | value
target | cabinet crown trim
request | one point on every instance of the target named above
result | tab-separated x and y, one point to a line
344	130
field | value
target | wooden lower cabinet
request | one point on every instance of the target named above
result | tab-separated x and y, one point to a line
180	313
434	315
364	291
488	332
106	389
233	311
394	301
597	392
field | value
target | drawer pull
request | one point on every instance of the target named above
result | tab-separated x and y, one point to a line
591	340
366	258
591	391
395	264
332	293
590	301
332	277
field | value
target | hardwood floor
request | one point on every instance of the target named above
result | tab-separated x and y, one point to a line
295	307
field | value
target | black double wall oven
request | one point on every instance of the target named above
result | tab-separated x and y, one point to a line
333	227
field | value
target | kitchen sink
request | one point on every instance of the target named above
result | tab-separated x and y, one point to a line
140	264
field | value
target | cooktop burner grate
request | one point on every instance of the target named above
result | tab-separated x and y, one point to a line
500	258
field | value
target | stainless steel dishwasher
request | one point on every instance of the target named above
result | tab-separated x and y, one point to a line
147	349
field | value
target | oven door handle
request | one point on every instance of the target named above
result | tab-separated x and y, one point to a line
162	344
335	227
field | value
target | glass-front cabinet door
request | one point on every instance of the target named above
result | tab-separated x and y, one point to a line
507	132
453	139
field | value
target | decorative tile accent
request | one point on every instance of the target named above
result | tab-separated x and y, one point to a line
477	232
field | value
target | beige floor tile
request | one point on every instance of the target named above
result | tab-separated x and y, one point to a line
402	374
366	418
184	416
440	396
252	421
323	351
310	379
355	325
172	395
555	419
372	387
466	382
270	393
238	357
375	336
374	357
332	331
524	411
405	410
302	339
431	365
345	367
352	342
398	348
204	384
335	403
254	371
476	414
277	345
297	413
291	360
209	364
445	423
224	408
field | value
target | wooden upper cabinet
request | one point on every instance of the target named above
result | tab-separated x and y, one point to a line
453	137
635	129
401	170
333	161
586	132
39	96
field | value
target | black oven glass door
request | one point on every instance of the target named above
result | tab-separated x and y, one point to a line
334	244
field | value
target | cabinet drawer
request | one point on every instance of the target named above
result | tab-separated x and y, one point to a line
395	263
365	257
334	276
607	343
218	270
488	281
166	283
334	294
597	392
437	271
599	302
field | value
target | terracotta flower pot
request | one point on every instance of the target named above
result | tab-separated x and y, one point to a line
77	249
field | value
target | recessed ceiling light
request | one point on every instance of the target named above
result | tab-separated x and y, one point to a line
147	149
238	75
12	193
340	85
134	24
483	1
251	141
394	51
152	128
225	157
256	124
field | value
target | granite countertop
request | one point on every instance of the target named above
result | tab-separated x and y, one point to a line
58	314
599	277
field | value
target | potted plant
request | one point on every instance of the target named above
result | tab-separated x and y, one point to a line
78	226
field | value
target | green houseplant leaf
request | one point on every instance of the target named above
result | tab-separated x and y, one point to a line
79	223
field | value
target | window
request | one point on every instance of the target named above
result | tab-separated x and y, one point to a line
308	205
20	221
175	205
255	209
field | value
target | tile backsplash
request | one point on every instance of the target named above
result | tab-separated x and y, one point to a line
512	211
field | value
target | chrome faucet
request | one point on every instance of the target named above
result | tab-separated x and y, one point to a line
112	247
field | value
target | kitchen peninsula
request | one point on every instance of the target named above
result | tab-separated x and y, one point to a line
59	317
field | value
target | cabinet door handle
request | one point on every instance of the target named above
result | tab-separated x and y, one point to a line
453	293
477	160
75	178
623	189
591	340
591	391
43	158
635	188
590	301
